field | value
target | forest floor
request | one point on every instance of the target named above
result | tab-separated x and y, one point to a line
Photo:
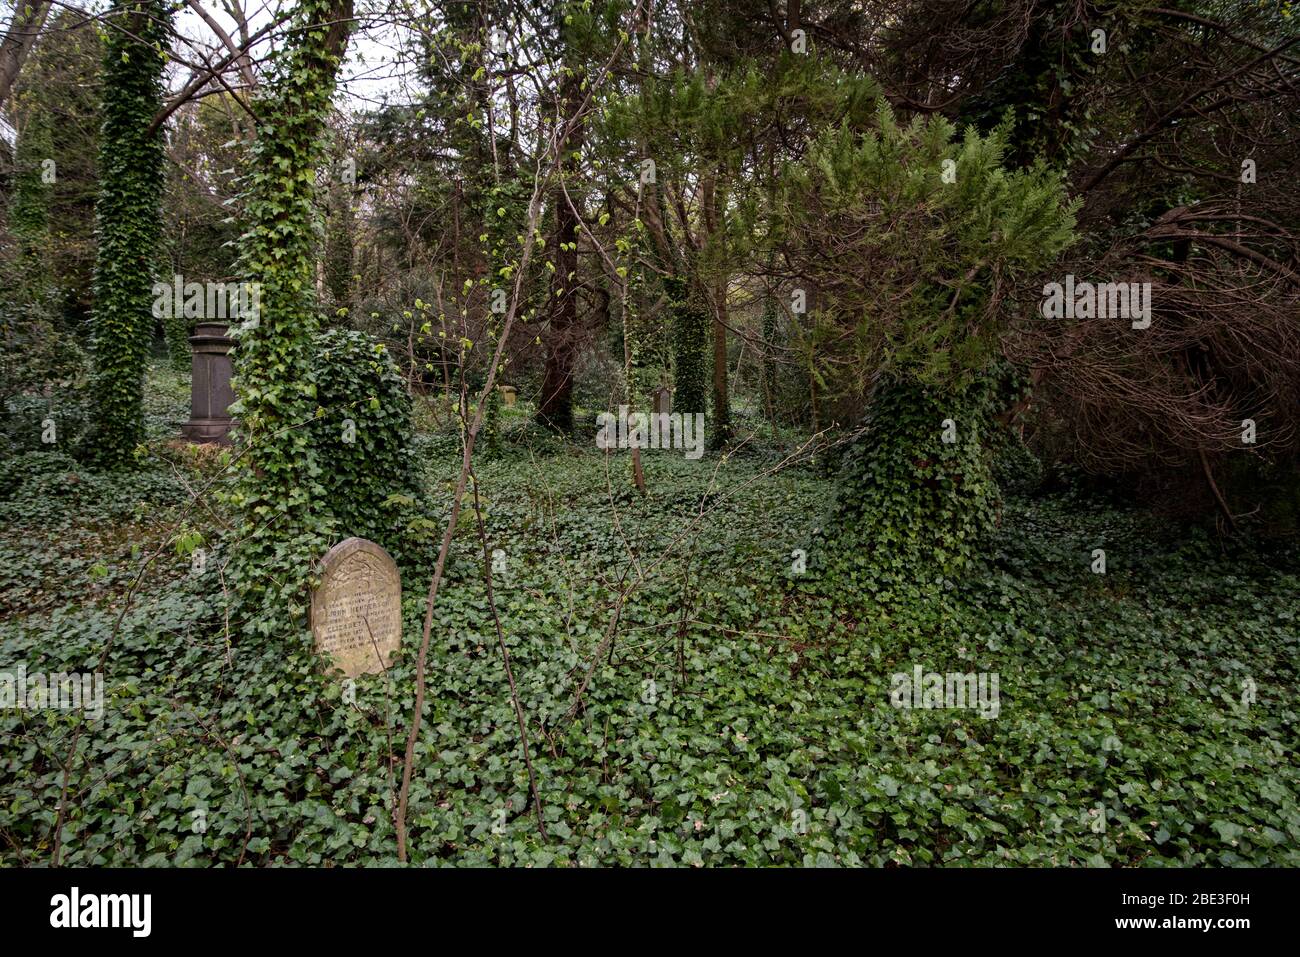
743	713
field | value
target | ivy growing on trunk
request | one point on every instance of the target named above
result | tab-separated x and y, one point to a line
177	328
127	225
691	326
340	235
917	490
287	524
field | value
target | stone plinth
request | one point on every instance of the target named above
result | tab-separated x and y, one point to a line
210	390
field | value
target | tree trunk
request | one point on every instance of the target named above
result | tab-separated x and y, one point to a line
690	346
128	224
720	426
916	491
555	410
18	42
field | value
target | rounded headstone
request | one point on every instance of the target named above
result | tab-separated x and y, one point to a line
356	611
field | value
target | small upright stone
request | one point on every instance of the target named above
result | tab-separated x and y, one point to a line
663	399
356	612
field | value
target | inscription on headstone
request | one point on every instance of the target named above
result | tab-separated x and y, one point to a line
356	612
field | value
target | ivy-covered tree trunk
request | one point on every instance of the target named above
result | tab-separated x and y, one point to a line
691	328
769	350
127	225
339	239
720	420
916	490
177	330
286	521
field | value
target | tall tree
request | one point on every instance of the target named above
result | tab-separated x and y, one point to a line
287	524
127	224
25	27
555	408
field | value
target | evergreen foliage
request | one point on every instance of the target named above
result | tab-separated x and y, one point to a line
362	438
282	494
127	225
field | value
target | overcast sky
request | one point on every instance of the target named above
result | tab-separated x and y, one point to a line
369	73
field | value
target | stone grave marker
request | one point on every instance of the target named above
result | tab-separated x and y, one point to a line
356	611
663	400
210	389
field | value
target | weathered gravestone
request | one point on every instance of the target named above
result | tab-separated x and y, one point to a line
508	395
663	399
356	612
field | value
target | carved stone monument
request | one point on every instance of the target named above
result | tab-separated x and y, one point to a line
210	390
508	395
356	612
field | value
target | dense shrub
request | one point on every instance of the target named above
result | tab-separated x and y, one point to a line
363	437
36	347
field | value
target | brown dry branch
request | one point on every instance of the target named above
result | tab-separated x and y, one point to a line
1223	347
